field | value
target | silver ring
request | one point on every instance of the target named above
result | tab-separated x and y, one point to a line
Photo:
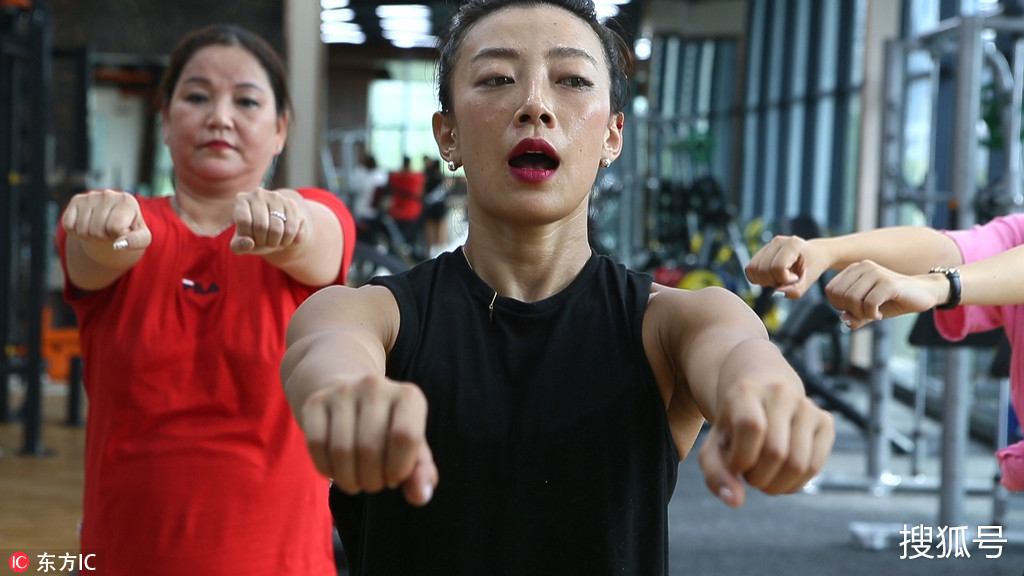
280	215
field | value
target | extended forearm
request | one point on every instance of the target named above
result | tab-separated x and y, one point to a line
904	249
329	358
753	362
994	281
316	259
93	265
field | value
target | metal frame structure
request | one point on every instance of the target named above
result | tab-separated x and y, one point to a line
25	69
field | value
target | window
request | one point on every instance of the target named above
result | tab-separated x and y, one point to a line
400	112
802	111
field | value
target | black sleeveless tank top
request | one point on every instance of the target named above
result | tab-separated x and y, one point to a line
545	421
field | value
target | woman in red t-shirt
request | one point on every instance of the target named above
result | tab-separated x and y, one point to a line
194	463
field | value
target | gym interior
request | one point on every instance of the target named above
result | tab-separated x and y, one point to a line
745	119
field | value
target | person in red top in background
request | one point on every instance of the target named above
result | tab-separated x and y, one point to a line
406	190
193	461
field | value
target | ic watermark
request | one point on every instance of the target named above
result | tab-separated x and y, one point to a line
45	562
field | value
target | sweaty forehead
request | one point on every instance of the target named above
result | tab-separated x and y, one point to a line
544	28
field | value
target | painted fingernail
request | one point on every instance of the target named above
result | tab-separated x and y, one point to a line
120	244
725	493
427	493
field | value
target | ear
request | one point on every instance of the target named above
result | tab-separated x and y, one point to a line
613	137
444	136
282	129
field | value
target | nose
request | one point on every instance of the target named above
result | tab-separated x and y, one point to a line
220	113
535	108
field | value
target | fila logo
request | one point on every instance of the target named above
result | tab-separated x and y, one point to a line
198	287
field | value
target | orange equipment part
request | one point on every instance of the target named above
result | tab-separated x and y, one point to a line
60	345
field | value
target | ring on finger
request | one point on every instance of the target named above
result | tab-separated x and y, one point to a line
278	214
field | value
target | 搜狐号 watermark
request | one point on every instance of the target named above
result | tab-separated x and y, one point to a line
930	542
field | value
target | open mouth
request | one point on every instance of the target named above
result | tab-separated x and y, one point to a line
533	161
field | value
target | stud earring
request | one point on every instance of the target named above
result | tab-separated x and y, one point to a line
452	166
605	162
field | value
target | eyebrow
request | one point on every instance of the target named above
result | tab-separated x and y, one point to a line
558	52
206	81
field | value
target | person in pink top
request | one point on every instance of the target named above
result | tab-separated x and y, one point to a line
972	279
194	463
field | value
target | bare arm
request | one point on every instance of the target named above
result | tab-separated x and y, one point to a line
792	264
107	235
867	291
994	281
307	244
721	364
365	431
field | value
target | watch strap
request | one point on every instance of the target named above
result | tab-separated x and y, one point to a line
955	287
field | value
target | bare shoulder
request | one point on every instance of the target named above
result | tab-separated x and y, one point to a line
676	317
712	304
369	307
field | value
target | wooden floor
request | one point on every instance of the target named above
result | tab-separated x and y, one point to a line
41	494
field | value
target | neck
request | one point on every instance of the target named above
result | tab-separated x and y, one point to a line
528	274
203	218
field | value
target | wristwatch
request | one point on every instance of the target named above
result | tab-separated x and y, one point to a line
955	289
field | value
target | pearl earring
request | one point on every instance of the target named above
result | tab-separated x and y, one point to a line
452	166
605	162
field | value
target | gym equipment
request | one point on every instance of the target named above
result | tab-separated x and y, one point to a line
25	86
965	42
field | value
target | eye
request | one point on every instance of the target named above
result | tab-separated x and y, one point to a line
248	102
195	98
498	81
577	82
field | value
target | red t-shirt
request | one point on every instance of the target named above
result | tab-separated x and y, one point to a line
194	463
406	195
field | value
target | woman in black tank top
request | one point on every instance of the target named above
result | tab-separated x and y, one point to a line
519	405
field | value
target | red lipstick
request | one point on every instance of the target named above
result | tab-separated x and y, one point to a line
533	161
218	145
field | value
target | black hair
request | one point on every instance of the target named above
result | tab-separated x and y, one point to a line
617	53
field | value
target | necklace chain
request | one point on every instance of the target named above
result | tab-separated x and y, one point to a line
195	226
490	307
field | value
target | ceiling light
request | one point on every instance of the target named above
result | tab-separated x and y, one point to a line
333	4
338	15
357	38
339	27
421	26
403	11
415	42
642	48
